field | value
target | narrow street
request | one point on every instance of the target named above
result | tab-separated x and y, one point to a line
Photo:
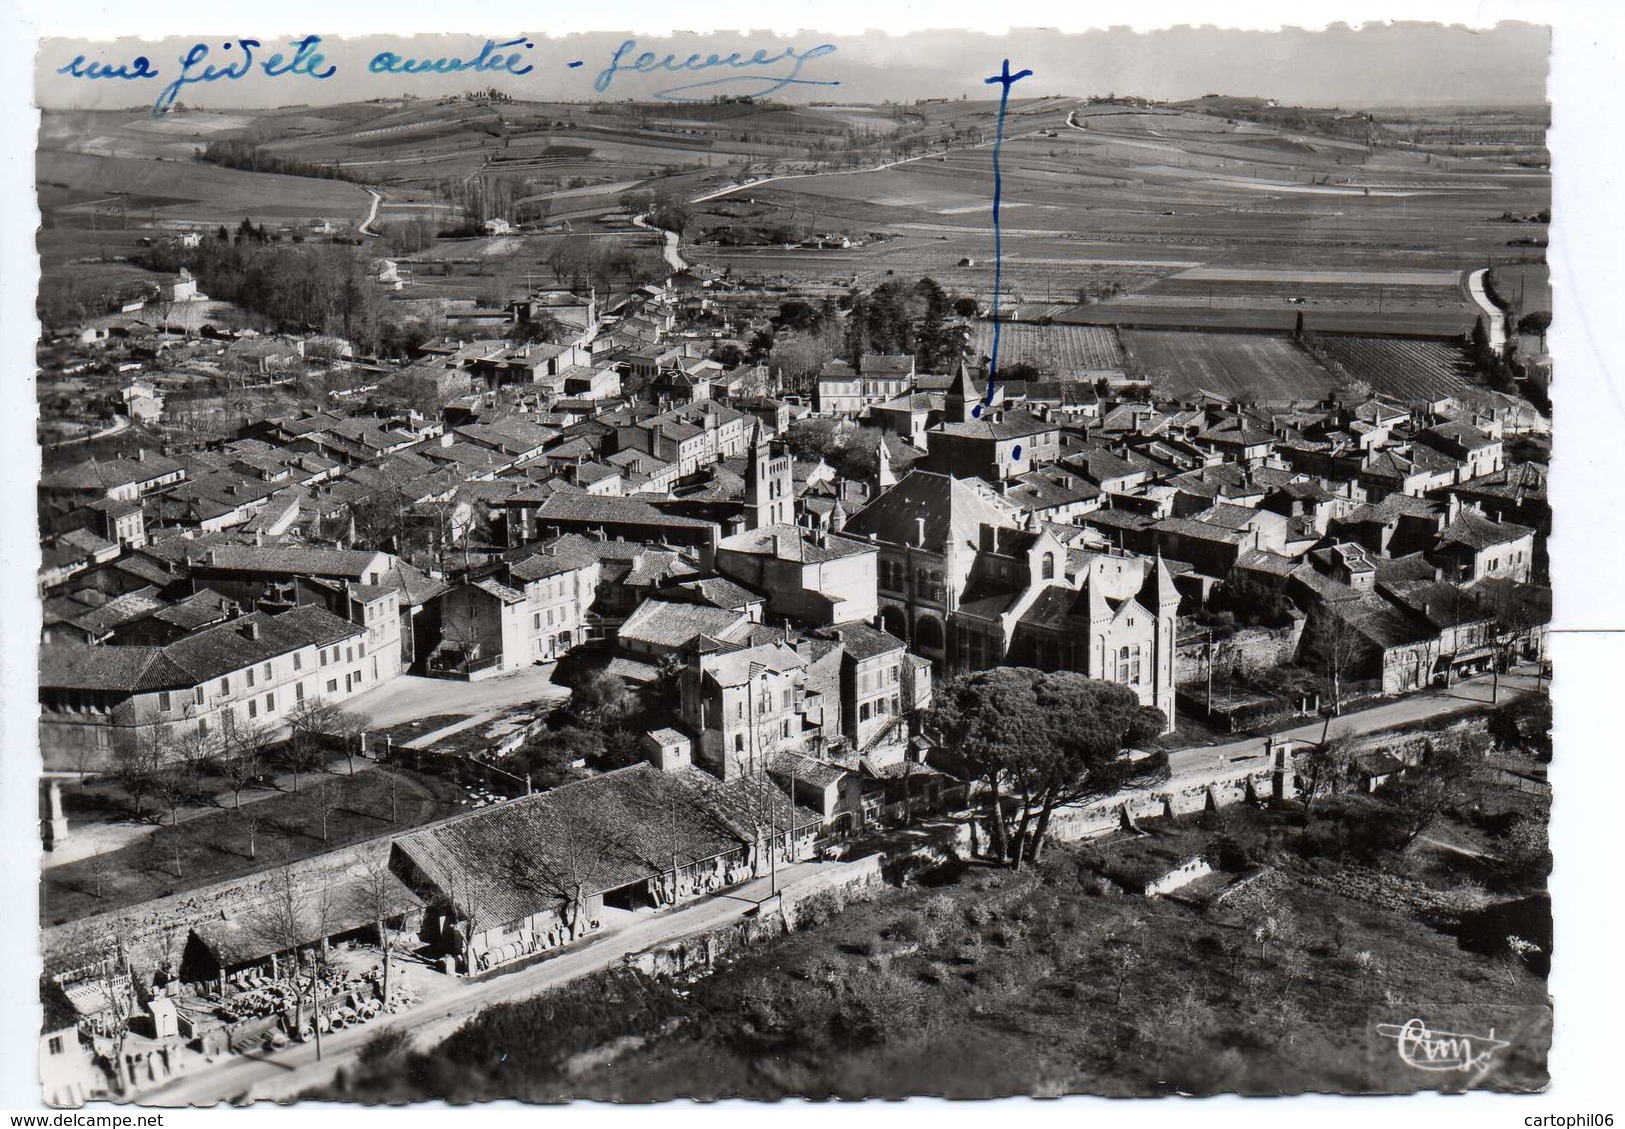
283	1074
1469	694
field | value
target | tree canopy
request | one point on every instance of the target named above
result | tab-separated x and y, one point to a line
1040	740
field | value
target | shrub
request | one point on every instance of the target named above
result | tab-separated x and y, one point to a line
938	906
979	914
383	1046
815	909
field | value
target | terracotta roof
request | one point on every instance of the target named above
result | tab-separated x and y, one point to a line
952	510
221	650
793	543
1475	531
864	642
294	560
529	855
666	623
612	511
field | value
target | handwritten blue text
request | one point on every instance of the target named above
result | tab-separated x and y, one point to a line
755	85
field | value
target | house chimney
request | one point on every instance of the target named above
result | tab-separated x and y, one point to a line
140	454
919	533
251	631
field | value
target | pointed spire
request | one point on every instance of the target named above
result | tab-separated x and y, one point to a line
962	395
1167	596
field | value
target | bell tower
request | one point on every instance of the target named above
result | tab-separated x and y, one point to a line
769	482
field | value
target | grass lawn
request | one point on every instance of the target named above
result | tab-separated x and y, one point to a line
215	847
983	983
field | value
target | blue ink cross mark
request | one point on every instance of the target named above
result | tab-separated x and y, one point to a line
1004	80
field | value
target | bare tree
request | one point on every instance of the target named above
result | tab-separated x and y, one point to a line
172	784
561	876
196	754
1332	647
1322	769
351	727
378	886
250	820
243	759
168	848
137	759
393	771
311	724
324	802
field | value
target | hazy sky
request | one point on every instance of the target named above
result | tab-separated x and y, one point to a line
1376	64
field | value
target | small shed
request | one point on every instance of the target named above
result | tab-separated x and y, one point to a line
668	749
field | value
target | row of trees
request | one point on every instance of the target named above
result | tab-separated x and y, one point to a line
252	157
152	762
600	260
894	317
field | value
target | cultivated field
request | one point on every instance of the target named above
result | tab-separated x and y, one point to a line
1528	286
1407	370
188	192
1060	349
1243	365
1433	302
1372	238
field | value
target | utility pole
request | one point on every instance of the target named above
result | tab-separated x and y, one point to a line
1210	673
671	826
316	1009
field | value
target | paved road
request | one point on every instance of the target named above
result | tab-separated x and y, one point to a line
1494	317
372	214
410	697
1471	693
731	189
668	249
287	1072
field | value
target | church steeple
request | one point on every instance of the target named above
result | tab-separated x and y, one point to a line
962	395
1159	596
884	476
769	490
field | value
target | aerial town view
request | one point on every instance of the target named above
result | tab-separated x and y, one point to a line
760	591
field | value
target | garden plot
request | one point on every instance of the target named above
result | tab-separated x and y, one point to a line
1243	365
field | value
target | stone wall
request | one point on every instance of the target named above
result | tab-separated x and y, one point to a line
1248	650
154	933
705	950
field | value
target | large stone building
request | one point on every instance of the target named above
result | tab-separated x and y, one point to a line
970	585
981	437
252	670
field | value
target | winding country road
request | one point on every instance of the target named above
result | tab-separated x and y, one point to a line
372	214
1494	316
669	247
731	189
